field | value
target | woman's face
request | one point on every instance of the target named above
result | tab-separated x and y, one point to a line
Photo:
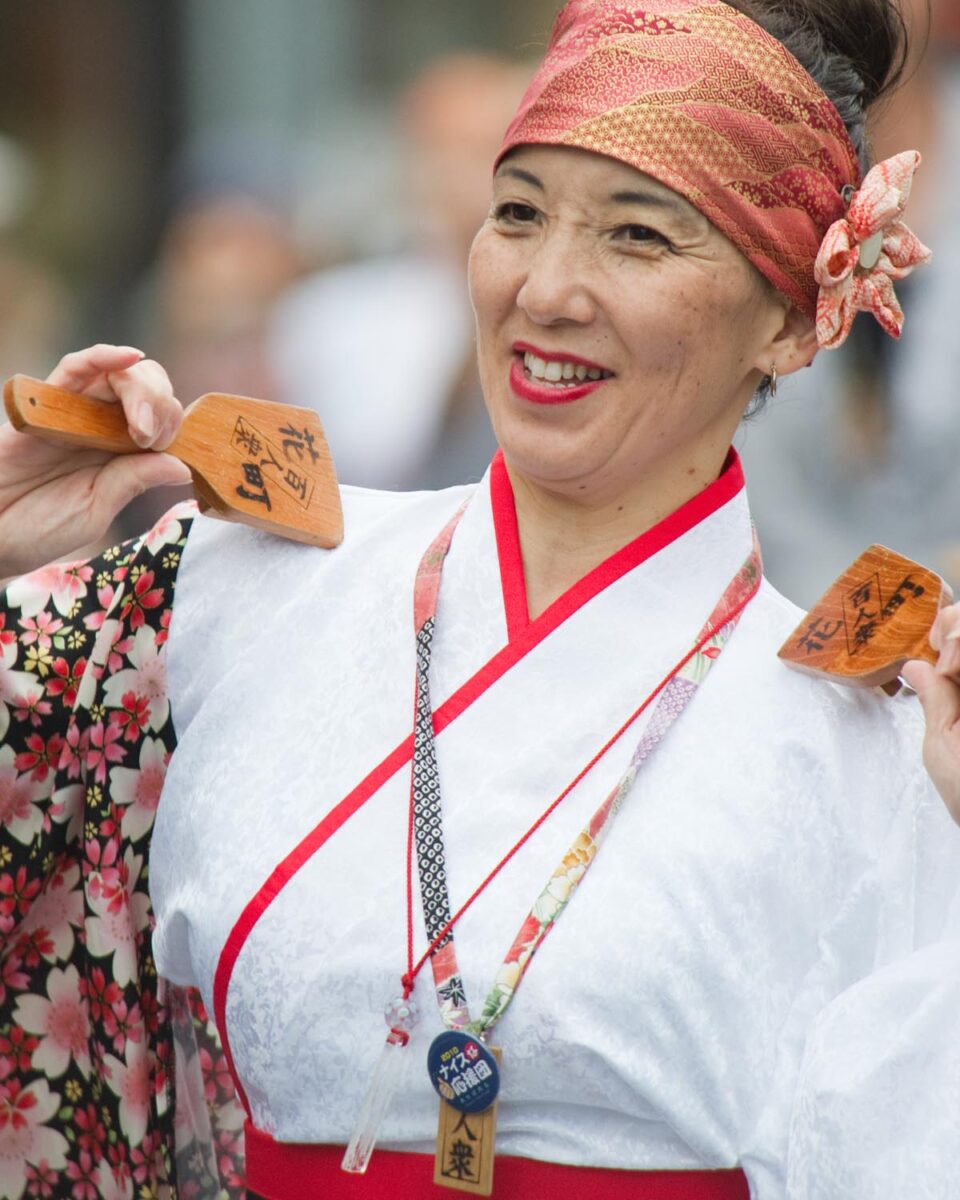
587	267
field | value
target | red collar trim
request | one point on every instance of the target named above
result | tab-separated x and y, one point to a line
524	637
729	483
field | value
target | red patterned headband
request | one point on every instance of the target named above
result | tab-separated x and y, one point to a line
697	95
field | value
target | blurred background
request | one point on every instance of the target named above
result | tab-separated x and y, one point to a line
276	198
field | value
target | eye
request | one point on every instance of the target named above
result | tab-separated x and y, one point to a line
640	235
512	212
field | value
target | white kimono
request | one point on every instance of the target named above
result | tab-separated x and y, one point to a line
754	972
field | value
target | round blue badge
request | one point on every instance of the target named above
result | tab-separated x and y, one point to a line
463	1071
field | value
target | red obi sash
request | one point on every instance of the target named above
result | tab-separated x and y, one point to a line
292	1171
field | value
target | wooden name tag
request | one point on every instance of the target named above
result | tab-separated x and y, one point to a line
874	618
252	461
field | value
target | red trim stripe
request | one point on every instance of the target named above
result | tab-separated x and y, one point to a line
290	1171
512	580
280	877
630	556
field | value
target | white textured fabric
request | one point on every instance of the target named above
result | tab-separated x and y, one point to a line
880	1094
778	864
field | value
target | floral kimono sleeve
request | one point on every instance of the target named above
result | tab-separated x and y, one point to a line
90	1039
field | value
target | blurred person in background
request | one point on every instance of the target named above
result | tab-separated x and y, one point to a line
36	311
865	446
223	261
228	251
383	349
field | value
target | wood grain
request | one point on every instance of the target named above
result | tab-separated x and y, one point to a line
875	617
475	1137
262	464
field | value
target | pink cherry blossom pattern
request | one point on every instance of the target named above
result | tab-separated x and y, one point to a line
130	1081
63	584
138	789
25	1137
20	811
87	1106
60	1020
65	679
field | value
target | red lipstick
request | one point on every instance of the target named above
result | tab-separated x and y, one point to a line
536	391
555	356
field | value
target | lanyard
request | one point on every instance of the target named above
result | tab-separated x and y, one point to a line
672	695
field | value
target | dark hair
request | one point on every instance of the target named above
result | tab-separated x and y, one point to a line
856	50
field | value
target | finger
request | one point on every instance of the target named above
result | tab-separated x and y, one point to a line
949	661
152	410
86	368
945	637
939	696
124	478
946	627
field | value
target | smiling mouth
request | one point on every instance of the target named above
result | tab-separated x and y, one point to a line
553	381
560	373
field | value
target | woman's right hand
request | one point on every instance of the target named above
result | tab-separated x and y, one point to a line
55	499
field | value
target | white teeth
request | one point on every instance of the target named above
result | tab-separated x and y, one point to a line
556	371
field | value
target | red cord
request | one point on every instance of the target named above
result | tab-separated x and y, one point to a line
413	971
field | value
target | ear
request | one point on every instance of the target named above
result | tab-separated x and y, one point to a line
792	346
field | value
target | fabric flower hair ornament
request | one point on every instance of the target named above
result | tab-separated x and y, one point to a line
866	252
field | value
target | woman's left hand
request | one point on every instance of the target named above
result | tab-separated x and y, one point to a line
939	691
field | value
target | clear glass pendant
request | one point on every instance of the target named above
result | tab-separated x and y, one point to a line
401	1016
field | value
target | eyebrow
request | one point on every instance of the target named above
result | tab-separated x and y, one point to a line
525	176
650	199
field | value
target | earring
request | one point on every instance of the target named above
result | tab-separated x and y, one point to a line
772	377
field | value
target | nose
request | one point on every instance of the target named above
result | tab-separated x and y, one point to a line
555	289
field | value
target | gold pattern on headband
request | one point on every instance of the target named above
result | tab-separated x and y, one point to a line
697	95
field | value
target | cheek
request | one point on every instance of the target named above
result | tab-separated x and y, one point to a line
669	326
478	276
491	281
700	324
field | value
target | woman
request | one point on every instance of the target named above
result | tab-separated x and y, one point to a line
772	873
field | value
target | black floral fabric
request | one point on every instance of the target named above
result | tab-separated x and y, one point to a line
94	1048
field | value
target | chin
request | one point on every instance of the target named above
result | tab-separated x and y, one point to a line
551	458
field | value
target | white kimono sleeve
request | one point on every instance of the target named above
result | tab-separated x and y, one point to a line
877	1110
878	1103
873	1113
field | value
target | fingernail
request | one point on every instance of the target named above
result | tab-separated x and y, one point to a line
131	350
146	422
954	635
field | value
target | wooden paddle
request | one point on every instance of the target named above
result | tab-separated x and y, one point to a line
262	464
874	618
